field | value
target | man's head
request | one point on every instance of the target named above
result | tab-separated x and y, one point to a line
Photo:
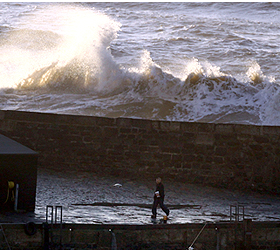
158	180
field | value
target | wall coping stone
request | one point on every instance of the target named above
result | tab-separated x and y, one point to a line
83	120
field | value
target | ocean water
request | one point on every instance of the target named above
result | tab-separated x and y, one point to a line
209	62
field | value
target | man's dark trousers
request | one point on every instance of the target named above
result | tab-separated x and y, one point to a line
159	201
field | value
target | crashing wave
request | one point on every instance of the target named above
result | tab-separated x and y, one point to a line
73	59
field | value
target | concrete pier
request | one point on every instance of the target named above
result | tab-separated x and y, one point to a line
236	157
223	235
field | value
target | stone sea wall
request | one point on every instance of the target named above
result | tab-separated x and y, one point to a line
221	155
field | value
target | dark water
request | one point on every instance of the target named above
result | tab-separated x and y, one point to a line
212	62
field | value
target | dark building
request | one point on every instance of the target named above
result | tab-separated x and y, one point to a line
18	165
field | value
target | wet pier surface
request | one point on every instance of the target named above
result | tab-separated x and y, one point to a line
90	199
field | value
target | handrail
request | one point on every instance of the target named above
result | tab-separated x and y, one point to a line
190	247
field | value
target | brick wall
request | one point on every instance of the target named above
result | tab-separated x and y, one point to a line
222	155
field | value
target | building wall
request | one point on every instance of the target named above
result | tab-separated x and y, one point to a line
22	170
221	155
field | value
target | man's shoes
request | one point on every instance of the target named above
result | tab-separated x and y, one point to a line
168	213
153	217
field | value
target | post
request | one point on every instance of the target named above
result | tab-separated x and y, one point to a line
50	229
218	238
16	198
247	224
46	236
56	220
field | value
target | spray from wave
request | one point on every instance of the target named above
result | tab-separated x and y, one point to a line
67	66
72	51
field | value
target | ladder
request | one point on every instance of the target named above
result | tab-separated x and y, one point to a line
53	216
236	212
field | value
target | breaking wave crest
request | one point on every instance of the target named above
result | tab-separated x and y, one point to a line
69	68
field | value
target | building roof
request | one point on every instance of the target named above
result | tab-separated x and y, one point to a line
9	146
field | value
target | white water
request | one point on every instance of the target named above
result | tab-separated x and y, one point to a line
176	61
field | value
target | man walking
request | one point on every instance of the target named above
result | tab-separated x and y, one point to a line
159	199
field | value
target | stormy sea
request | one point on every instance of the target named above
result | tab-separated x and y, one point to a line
187	61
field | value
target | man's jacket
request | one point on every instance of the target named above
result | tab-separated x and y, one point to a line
160	189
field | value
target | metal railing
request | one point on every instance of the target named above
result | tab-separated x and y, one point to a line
235	212
53	216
